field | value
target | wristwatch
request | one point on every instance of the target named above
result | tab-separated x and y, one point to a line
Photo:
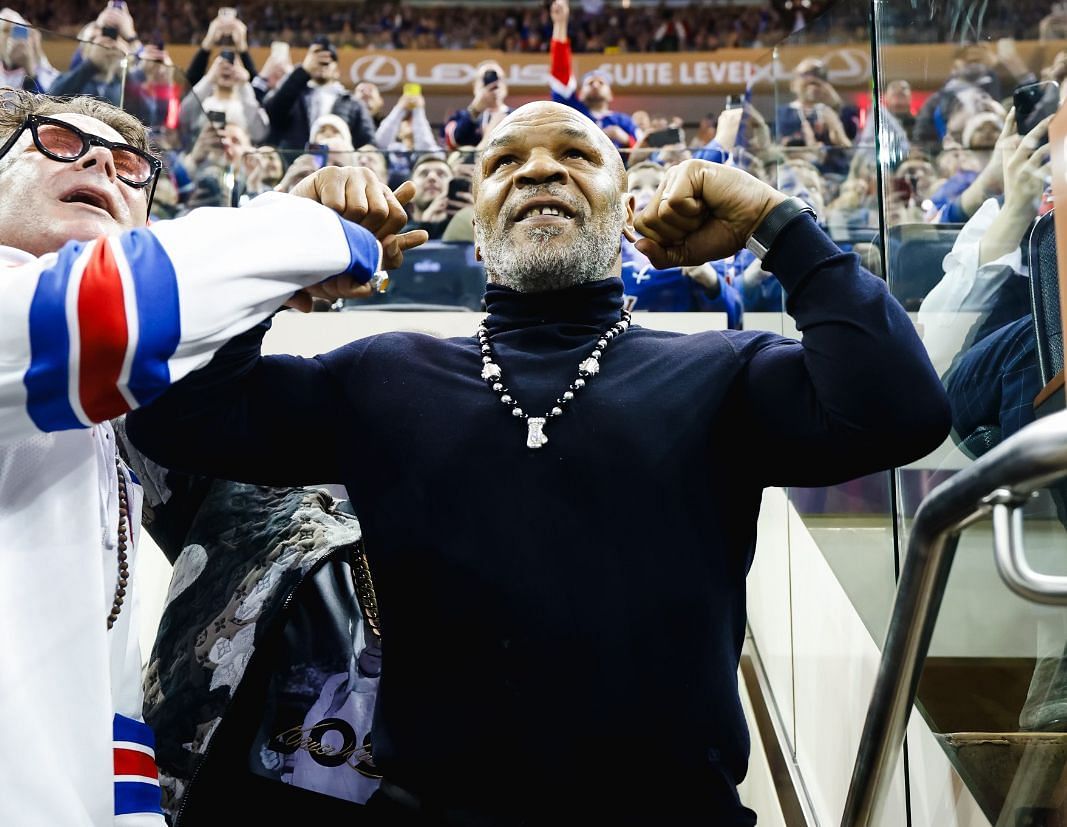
759	243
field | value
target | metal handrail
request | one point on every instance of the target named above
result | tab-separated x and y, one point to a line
1000	481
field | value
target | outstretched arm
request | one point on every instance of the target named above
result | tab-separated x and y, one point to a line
561	80
246	417
103	327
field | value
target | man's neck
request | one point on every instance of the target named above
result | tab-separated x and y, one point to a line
599	109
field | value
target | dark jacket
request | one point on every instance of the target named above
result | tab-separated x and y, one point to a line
290	125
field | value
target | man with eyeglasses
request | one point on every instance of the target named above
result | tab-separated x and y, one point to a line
98	315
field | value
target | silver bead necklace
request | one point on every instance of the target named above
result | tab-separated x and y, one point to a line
587	369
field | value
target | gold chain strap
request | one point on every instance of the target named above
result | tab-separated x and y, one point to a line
364	584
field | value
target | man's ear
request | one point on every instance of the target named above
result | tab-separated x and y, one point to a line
629	204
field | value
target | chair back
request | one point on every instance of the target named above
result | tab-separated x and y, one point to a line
1045	296
916	253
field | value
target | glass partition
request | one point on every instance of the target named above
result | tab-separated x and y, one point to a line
966	205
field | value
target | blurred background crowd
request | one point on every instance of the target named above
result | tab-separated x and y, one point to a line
599	25
258	98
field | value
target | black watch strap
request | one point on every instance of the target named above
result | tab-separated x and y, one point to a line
759	243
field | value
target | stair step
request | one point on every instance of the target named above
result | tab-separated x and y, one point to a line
1017	778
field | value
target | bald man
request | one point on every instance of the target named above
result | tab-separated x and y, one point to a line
558	537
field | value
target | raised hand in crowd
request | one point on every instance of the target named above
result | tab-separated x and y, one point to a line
444	206
208	147
990	181
318	60
357	195
156	64
491	124
831	123
1026	165
220	28
436	211
22	53
105	53
488	97
234	73
702	212
118	18
617	134
560	13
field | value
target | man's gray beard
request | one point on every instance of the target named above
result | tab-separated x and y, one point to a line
550	266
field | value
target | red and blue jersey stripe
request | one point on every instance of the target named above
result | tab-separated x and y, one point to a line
104	323
137	795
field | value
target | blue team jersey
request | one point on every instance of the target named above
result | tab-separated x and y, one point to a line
670	290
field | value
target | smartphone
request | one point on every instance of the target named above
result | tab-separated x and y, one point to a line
110	31
412	89
279	49
490	76
320	151
228	55
456	186
664	137
227	12
216	117
20	33
1033	102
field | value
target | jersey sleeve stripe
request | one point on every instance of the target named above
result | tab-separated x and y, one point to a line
158	314
101	309
47	379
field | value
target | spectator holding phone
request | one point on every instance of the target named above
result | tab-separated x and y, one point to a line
593	98
98	71
275	69
429	208
468	127
225	32
812	117
406	132
312	90
225	88
23	64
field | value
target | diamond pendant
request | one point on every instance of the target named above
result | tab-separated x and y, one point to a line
535	435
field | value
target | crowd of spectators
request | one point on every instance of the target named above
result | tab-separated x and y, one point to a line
599	26
230	130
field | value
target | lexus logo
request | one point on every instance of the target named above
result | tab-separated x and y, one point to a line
847	66
383	71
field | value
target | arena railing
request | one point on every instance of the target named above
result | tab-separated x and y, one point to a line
998	483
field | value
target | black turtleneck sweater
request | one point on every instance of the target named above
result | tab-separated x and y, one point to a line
570	618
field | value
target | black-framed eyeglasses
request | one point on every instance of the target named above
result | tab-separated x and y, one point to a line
64	142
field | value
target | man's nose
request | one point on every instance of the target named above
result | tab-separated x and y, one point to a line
99	155
541	168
